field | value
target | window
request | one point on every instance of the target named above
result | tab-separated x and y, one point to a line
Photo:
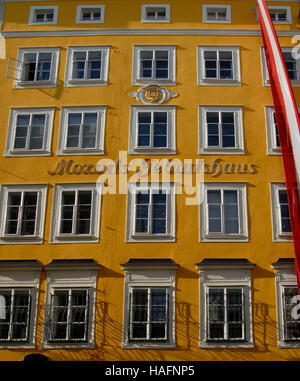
70	303
273	141
152	129
223	214
225	297
68	315
19	287
225	314
151	212
22	214
292	66
90	14
14	322
280	15
76	213
43	15
36	67
216	13
282	230
155	13
87	66
287	299
149	303
155	64
220	130
82	131
29	132
218	65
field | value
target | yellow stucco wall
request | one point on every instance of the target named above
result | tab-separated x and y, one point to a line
112	250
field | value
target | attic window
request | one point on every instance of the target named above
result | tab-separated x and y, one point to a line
155	13
43	15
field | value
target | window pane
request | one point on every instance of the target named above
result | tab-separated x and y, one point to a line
214	196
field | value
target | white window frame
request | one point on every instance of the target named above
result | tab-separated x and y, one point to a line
169	236
265	72
285	276
171	130
46	149
226	8
100	133
22	275
242	236
93	236
19	83
171	80
202	80
34	9
282	8
155	20
71	276
229	274
239	131
272	148
80	8
102	81
278	235
36	238
150	275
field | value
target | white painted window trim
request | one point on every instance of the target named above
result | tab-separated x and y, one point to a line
79	11
20	84
282	8
265	72
271	132
239	130
285	276
40	214
99	149
225	276
144	13
18	277
169	236
136	80
33	10
102	81
66	278
272	149
46	150
236	81
55	235
204	235
156	278
206	7
171	130
278	236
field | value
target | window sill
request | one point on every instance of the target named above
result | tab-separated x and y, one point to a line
145	345
25	153
283	237
68	345
221	151
74	239
245	344
68	152
34	84
8	240
85	82
152	151
219	82
151	238
224	238
162	81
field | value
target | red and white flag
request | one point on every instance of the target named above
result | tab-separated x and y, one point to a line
287	122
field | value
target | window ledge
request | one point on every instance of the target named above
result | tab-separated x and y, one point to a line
152	151
225	238
147	345
222	151
151	238
21	240
19	153
226	345
74	239
94	151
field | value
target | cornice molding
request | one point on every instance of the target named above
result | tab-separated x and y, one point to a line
142	32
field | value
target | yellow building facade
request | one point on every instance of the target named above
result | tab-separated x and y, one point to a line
93	270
